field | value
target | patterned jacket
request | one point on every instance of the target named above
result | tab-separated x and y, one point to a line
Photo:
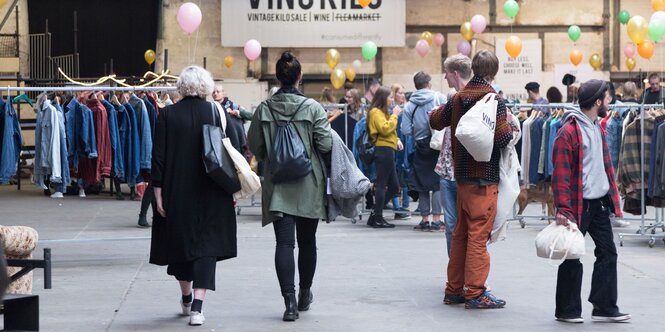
567	157
468	169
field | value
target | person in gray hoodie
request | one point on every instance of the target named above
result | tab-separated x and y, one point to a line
415	122
585	193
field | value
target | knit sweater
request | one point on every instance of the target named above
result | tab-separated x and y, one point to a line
468	170
382	128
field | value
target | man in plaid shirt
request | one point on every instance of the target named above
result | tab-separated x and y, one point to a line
585	193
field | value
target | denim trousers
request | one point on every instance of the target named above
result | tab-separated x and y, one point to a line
603	296
449	204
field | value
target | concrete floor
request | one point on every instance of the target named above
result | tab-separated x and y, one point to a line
367	280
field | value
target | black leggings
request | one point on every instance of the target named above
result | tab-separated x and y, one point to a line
148	197
386	175
285	230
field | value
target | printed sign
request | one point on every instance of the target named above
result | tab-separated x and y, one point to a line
313	23
514	74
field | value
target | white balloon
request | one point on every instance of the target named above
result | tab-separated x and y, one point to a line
357	64
658	16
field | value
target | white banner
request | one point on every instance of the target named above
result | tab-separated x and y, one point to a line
514	74
313	23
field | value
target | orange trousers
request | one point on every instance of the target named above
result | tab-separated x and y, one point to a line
469	263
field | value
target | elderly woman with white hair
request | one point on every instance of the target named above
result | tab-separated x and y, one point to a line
194	222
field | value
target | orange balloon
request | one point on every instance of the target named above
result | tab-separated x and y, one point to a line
514	46
228	61
645	49
631	63
576	57
658	5
350	74
364	3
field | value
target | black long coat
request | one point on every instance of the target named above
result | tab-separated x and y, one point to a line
200	218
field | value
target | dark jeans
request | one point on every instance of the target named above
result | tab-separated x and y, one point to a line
386	175
285	235
603	296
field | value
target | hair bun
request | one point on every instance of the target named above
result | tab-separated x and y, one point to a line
287	56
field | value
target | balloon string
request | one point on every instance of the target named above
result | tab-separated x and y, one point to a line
196	39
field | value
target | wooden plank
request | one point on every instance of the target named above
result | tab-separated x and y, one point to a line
28	137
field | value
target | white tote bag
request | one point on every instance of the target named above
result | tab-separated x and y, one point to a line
437	140
475	129
250	183
509	190
560	242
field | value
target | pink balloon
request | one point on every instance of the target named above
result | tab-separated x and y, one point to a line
438	39
478	23
252	49
464	47
422	47
629	51
658	16
189	17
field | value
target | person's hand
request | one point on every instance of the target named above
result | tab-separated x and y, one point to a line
397	111
400	146
159	202
561	219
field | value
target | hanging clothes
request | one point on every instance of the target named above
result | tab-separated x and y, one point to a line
630	160
145	133
555	125
526	150
614	130
131	142
80	129
536	143
91	170
654	185
152	114
12	141
50	146
114	133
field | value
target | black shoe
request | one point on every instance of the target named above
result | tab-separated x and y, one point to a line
617	317
305	298
119	197
422	226
379	222
291	312
402	216
143	221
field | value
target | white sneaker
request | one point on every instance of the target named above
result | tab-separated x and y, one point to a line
186	308
57	195
82	192
576	320
196	318
620	223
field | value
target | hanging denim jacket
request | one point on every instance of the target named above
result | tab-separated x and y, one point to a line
63	149
80	131
12	141
152	114
115	139
129	140
145	134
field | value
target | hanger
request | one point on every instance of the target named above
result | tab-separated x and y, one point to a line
115	100
23	97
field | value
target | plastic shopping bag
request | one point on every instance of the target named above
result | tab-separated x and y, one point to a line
558	242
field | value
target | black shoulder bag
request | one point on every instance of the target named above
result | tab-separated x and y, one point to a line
218	164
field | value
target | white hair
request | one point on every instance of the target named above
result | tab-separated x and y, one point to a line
195	81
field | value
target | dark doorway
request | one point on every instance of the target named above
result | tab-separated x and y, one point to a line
121	30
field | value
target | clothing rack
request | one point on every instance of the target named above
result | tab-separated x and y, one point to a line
73	88
659	219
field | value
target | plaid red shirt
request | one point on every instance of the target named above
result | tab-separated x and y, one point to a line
567	184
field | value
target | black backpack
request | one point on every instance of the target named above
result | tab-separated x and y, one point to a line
288	158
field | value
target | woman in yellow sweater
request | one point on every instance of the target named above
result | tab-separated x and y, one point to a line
382	129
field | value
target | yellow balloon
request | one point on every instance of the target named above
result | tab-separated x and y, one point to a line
465	30
350	74
149	56
638	28
228	61
658	5
427	36
2	3
332	58
514	46
337	78
631	63
595	61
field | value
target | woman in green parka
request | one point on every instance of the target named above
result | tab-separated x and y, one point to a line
294	206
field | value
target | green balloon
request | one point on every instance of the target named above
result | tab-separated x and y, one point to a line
574	33
656	30
624	17
369	50
511	8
